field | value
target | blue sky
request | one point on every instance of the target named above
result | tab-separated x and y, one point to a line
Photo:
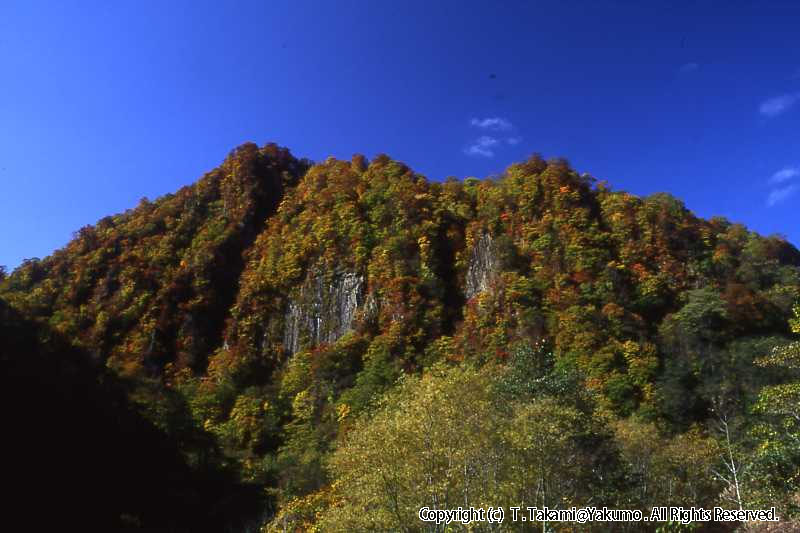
103	103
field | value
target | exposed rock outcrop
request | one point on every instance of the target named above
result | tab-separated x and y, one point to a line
482	266
324	311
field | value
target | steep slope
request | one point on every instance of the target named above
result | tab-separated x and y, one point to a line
152	286
605	276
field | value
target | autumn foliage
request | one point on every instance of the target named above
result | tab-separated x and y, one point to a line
595	315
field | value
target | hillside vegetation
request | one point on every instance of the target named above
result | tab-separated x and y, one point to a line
297	346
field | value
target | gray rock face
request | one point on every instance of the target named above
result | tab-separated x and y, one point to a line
482	266
324	311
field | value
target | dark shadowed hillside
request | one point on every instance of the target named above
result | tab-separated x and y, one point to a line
81	455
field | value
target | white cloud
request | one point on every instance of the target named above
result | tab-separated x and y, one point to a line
785	174
775	106
778	195
492	124
486	145
482	146
689	67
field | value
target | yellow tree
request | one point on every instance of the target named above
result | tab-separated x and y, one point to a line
432	443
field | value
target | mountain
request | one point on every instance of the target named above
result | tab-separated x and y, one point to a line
259	322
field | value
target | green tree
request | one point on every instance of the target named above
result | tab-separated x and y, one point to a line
777	455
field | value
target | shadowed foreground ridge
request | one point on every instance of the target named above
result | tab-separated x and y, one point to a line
91	459
229	354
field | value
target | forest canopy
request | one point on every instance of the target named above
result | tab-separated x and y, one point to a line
335	345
